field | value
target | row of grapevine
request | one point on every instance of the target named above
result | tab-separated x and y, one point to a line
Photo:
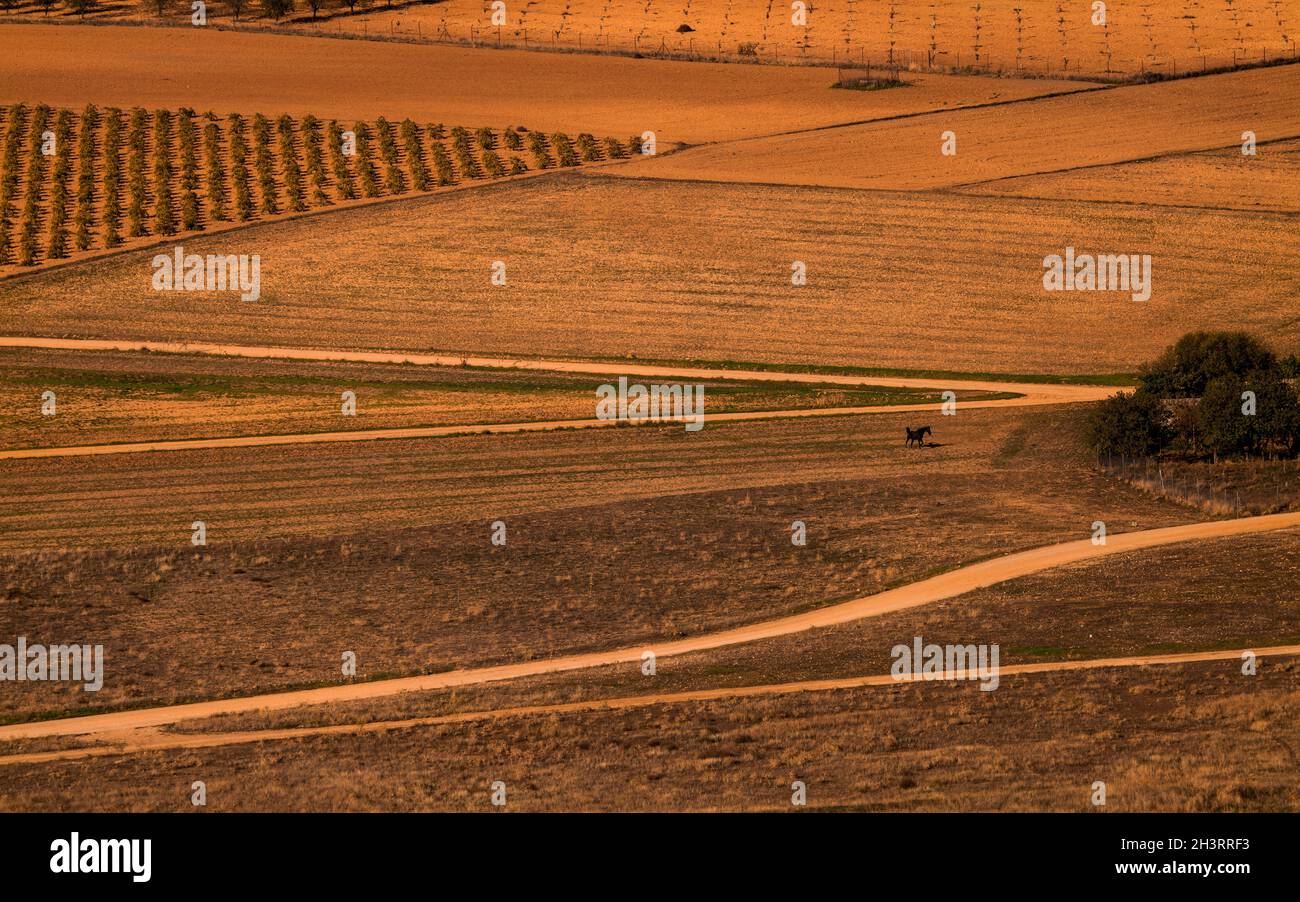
76	182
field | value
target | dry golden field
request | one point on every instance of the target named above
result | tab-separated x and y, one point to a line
794	236
1041	38
1049	135
1224	179
71	66
587	278
1036	37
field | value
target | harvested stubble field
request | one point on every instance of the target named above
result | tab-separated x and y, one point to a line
1157	601
1227	178
588	280
1042	38
141	176
1046	135
387	550
679	101
1038	743
115	397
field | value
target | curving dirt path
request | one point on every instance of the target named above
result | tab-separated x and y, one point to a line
947	585
151	739
1031	394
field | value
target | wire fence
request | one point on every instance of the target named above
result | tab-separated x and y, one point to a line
1246	487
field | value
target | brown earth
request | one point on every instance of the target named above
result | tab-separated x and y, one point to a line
1162	740
1213	594
678	535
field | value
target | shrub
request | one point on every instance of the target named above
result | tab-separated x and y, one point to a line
442	164
541	153
9	178
393	181
513	141
56	245
216	171
517	166
262	163
492	164
35	180
464	150
365	167
564	149
1134	424
136	143
112	177
342	177
276	9
311	141
614	149
240	178
634	145
17	124
420	180
187	135
85	218
1185	369
164	214
487	139
293	187
588	147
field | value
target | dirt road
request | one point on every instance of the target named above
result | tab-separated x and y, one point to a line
1031	394
937	588
151	739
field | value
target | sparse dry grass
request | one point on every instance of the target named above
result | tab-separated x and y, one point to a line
1163	739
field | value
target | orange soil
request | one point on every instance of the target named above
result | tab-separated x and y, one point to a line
1216	178
1040	136
222	70
1038	36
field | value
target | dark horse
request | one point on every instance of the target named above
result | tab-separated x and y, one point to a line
917	435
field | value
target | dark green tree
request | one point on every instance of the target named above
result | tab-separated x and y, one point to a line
1135	424
1185	369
